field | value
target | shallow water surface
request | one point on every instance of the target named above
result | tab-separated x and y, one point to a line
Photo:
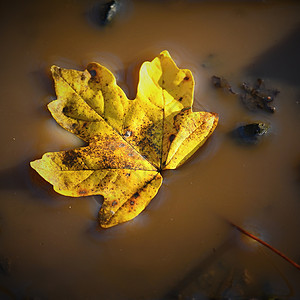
181	246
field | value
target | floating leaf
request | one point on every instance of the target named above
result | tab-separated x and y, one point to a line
129	141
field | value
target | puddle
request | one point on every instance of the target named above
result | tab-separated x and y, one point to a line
180	247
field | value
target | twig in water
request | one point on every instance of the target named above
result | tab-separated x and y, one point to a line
266	244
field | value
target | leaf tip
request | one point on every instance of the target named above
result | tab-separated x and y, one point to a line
165	53
32	164
216	115
54	68
55	71
36	165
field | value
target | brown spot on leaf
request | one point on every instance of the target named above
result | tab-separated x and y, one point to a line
82	192
66	110
172	137
180	99
148	132
132	202
93	73
70	158
114	203
136	195
186	78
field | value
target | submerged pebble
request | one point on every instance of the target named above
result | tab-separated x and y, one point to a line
250	133
104	13
110	10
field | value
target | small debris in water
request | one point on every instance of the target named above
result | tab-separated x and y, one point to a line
258	97
253	97
109	11
220	82
101	14
249	133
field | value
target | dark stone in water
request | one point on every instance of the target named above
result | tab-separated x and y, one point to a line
249	133
104	13
110	10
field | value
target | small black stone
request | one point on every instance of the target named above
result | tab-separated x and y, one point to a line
249	133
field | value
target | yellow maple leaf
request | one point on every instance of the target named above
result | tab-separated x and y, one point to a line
129	141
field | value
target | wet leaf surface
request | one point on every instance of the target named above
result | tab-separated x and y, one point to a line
129	141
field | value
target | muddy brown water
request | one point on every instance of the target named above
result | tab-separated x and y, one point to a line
181	246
